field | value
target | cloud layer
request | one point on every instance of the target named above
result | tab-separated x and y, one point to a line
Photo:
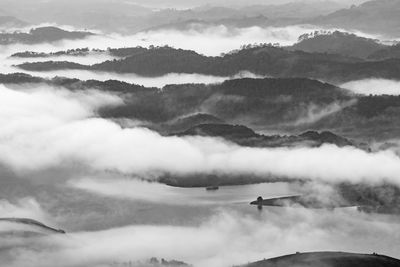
223	240
44	128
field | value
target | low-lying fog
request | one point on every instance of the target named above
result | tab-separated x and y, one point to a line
44	127
64	165
373	87
224	238
195	37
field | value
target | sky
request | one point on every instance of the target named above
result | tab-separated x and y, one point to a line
194	3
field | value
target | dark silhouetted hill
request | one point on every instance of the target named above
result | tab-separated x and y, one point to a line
337	43
41	35
386	53
263	60
328	259
245	136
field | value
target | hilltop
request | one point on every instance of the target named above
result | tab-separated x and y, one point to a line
337	42
331	259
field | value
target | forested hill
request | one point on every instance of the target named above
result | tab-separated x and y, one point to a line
286	104
41	35
262	60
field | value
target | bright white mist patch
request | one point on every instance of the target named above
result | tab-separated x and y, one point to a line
373	87
159	81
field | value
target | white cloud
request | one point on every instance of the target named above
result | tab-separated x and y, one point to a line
373	87
226	239
44	128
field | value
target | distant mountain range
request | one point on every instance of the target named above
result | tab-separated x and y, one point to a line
128	17
376	16
248	16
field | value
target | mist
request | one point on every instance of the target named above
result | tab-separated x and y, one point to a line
24	208
373	87
195	37
316	113
45	128
93	175
223	240
159	82
139	190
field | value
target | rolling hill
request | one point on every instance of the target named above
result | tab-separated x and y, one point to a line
328	259
290	105
263	60
337	42
41	35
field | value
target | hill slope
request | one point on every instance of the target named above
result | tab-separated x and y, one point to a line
337	42
262	60
328	259
41	35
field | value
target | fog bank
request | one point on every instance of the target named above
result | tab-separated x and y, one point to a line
224	240
44	128
373	87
